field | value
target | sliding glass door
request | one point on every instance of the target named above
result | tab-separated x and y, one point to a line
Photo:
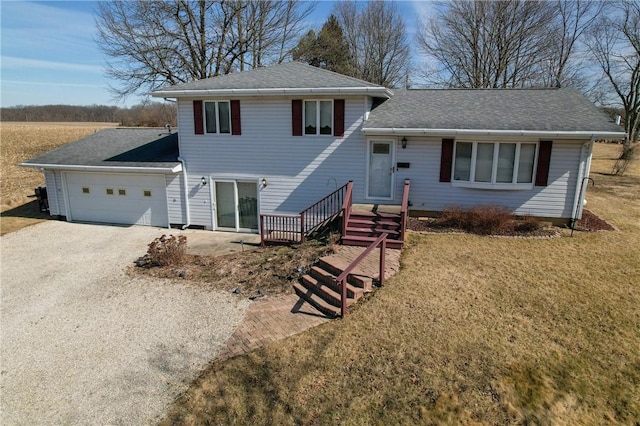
236	205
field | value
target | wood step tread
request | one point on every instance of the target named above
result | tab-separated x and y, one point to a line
373	222
328	279
391	232
363	215
316	301
366	241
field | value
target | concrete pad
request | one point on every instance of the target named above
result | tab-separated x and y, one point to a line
217	243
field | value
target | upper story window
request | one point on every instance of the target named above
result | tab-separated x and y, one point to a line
494	164
318	117
217	117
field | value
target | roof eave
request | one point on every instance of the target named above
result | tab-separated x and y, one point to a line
194	93
86	168
591	134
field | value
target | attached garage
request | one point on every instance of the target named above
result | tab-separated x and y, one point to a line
120	175
117	198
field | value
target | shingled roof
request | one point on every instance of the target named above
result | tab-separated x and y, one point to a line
116	148
551	110
276	79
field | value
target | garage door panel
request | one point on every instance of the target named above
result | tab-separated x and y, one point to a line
132	208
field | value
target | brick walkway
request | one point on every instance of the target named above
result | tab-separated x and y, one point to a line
277	318
270	320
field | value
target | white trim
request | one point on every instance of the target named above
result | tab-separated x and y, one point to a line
392	150
65	195
373	131
106	169
380	91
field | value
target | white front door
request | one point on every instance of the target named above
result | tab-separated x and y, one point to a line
380	170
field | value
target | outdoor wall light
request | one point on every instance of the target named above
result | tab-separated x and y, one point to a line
264	183
404	143
203	181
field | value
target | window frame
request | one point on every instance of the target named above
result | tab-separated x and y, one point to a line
318	117
217	117
493	184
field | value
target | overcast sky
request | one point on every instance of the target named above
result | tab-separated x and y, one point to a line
49	56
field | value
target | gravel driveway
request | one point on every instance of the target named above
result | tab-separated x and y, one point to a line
83	343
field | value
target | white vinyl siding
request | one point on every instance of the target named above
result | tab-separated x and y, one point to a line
429	194
52	192
299	171
175	199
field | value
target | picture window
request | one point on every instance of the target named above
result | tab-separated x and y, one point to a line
494	163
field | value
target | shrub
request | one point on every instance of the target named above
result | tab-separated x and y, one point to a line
489	220
483	220
528	224
167	251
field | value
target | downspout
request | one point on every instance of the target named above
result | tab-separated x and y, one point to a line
583	175
186	192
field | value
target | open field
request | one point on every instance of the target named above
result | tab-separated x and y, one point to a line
20	142
473	330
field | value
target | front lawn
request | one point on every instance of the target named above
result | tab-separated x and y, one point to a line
473	329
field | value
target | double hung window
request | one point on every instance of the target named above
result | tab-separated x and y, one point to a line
217	117
318	117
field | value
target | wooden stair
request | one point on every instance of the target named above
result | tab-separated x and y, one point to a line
363	227
319	287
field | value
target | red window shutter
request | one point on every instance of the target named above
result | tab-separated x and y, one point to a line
296	117
446	160
544	160
338	117
236	129
198	123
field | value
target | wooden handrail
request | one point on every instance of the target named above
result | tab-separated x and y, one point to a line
342	278
346	207
322	210
404	209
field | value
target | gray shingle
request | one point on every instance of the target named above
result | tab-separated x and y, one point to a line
287	75
117	148
491	109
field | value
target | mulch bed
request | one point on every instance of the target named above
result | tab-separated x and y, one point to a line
590	222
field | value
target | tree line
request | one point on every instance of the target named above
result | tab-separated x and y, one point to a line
154	114
593	46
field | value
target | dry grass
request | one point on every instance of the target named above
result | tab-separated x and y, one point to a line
473	330
20	142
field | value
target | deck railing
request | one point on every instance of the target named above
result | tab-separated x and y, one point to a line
404	209
347	204
287	229
341	279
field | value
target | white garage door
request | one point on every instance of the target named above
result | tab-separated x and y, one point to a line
117	198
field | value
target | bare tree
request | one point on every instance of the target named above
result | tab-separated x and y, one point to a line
615	47
488	44
376	35
154	43
565	59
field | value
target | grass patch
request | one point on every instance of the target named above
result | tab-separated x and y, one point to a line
20	142
472	330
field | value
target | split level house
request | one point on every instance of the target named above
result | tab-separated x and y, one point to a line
275	140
